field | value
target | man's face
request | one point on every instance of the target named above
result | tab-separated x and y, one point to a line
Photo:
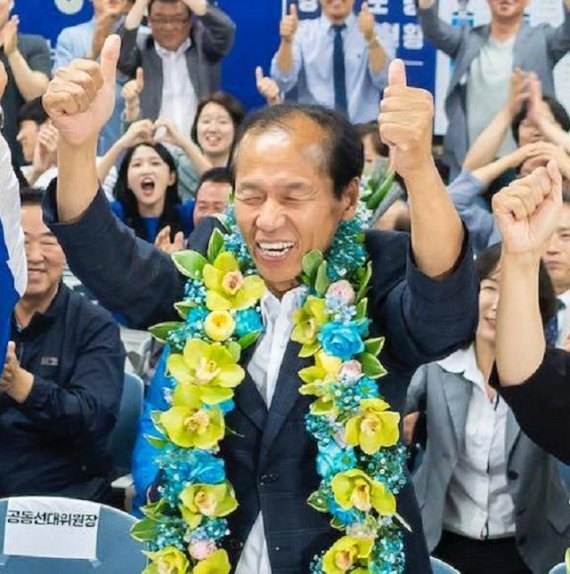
170	24
211	198
337	11
44	256
529	132
557	254
507	10
112	7
27	138
284	199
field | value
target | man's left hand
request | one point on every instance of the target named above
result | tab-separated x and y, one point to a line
10	35
405	123
366	22
15	381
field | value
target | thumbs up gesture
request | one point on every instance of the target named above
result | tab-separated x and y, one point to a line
80	98
366	22
288	24
267	87
405	123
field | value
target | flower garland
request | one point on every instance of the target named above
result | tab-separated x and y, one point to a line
360	463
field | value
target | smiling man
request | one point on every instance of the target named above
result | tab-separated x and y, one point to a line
337	60
296	172
484	59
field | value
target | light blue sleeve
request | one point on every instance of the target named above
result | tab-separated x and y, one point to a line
287	81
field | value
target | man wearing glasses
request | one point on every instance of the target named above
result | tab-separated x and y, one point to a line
179	55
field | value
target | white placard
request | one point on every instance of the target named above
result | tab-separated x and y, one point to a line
51	528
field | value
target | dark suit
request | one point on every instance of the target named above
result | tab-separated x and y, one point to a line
271	458
212	38
542	404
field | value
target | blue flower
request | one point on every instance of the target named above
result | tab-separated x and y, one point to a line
332	459
248	321
205	468
346	517
342	340
196	315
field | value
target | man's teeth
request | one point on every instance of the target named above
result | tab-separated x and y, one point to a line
274	249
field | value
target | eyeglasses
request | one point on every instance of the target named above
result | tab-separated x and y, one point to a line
175	22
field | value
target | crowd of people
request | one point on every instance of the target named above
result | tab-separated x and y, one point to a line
126	151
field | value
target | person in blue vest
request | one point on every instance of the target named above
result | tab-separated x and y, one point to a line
293	166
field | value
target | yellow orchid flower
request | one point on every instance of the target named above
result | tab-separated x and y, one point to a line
345	553
189	425
227	287
169	560
219	325
208	366
374	427
212	500
217	563
318	380
308	319
355	489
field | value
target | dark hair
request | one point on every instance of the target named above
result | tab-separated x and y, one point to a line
487	262
556	108
33	111
124	195
344	155
31	196
215	175
230	103
371	129
150	4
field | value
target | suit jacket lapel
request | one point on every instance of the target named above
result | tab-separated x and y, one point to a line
284	398
457	391
247	396
511	434
476	42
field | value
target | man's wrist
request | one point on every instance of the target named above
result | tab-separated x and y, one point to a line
22	386
14	56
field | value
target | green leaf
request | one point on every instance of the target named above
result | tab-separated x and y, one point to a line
364	282
154	509
309	350
215	244
361	309
567	560
311	263
336	523
322	281
155	441
235	350
189	263
249	339
184	307
374	346
145	529
162	330
155	418
318	501
374	200
371	366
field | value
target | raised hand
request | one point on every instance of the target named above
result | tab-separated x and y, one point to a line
366	22
518	92
45	154
267	87
405	122
138	132
131	94
162	241
288	24
10	35
527	210
3	79
166	132
80	98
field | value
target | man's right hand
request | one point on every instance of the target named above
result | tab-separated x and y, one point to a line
288	25
80	98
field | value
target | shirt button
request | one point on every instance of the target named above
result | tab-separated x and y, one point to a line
267	479
512	475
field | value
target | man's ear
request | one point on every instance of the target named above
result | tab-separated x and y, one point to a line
350	199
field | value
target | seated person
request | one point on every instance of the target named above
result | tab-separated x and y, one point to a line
492	501
62	380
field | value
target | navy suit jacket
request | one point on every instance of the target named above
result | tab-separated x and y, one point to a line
270	459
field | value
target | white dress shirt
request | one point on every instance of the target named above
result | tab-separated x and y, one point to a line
264	368
478	503
563	318
179	100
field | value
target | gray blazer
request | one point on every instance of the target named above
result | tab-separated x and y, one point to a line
212	38
542	513
537	48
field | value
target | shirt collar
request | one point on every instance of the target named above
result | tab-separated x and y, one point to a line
272	307
326	24
164	53
463	362
565	298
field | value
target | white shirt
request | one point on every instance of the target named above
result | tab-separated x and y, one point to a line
488	84
179	100
264	368
563	317
478	503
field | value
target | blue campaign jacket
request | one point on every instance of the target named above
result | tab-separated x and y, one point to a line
270	459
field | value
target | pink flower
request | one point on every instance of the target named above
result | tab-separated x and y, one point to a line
351	369
343	290
201	549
